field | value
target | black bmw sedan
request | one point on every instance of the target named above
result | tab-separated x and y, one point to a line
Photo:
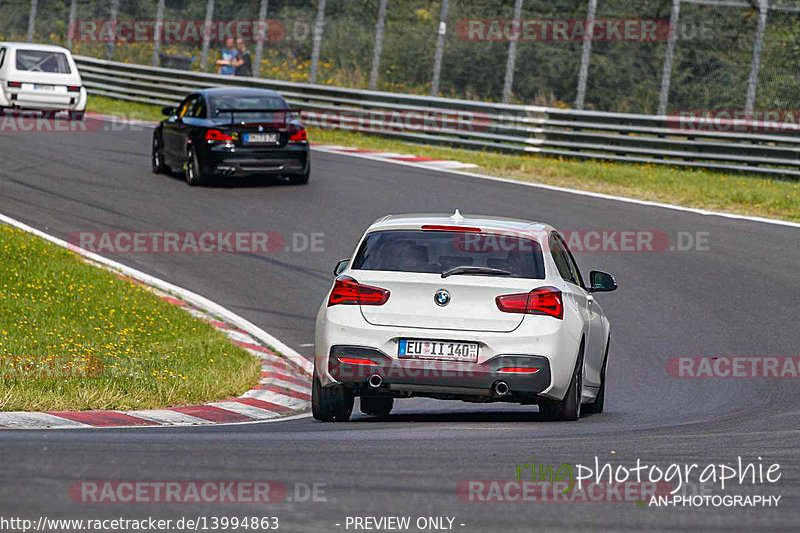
232	132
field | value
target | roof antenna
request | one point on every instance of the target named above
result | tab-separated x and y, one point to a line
457	217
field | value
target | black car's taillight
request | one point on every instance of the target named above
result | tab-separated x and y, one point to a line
217	136
299	136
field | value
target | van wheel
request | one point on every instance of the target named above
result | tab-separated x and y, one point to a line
330	404
77	115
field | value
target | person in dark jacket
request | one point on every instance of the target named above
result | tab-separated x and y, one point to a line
243	63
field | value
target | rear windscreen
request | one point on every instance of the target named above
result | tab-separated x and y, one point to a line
43	61
242	103
434	252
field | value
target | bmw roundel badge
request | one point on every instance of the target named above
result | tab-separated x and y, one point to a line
441	297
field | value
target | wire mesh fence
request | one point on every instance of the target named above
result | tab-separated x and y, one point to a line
650	56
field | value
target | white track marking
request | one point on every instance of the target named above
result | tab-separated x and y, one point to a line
286	385
279	399
165	416
244	409
19	419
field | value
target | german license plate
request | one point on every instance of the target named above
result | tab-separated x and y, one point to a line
43	87
261	138
429	349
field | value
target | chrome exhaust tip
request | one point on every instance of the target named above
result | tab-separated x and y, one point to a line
500	388
375	381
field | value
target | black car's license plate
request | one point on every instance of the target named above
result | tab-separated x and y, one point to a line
261	138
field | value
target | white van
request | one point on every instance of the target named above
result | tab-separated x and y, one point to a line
40	77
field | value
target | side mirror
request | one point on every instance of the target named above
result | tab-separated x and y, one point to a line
341	266
601	282
167	111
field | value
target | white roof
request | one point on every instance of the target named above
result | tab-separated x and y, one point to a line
35	46
485	222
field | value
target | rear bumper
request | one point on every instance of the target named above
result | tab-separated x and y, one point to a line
440	378
239	162
43	101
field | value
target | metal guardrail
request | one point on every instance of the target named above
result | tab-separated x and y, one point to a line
648	139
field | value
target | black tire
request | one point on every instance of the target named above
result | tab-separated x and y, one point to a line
377	405
301	179
77	115
193	173
569	408
157	157
330	404
49	114
597	405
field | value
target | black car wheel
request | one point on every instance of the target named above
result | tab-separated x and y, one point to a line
301	179
194	174
157	159
330	404
570	407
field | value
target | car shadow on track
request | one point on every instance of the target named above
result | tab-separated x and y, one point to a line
239	183
464	416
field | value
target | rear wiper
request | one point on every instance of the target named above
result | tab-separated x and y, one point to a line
486	271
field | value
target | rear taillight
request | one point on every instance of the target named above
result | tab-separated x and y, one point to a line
357	361
347	291
74	88
299	136
464	229
518	370
217	135
15	84
542	301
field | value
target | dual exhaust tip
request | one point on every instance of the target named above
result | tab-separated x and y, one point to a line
499	388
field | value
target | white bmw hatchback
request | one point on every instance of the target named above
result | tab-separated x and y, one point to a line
479	309
42	78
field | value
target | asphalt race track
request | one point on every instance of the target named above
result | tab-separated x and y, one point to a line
740	296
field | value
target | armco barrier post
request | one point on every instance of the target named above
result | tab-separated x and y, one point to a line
207	33
157	32
262	18
666	74
437	59
319	26
586	54
512	55
378	47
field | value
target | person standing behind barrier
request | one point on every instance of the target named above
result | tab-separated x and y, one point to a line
225	66
243	63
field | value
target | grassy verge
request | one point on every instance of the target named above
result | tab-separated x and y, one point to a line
734	193
73	336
